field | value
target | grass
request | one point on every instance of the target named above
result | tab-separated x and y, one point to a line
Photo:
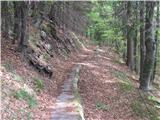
101	106
120	75
141	111
126	86
46	56
24	95
9	67
124	83
39	84
17	77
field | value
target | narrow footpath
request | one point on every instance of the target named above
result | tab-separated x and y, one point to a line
98	87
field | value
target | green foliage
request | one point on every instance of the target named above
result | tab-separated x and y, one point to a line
39	83
46	56
101	106
9	67
120	75
124	83
126	86
24	95
104	28
141	111
138	109
155	100
17	77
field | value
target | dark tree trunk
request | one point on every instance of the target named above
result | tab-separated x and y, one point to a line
130	41
142	36
24	33
5	18
136	39
148	68
17	14
156	41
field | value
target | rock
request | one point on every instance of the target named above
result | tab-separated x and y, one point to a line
43	35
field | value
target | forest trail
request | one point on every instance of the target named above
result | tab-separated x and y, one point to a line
107	87
96	84
66	106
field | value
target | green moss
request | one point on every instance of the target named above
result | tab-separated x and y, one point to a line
24	95
39	83
101	106
141	111
126	86
8	66
120	75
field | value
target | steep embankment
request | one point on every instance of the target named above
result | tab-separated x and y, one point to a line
30	84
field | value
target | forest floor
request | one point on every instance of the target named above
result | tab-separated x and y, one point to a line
108	89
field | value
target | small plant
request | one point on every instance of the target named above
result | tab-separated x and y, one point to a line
17	77
126	86
102	106
140	110
9	67
46	56
155	100
24	95
39	83
120	75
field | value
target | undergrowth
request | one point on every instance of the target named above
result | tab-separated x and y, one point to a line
101	106
8	66
141	111
124	82
24	95
39	84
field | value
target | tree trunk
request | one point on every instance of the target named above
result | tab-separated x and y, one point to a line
142	36
17	14
130	41
156	42
5	21
136	68
24	33
148	68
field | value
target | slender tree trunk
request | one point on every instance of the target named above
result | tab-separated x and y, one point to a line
17	14
156	41
136	39
142	36
130	41
5	21
24	34
148	68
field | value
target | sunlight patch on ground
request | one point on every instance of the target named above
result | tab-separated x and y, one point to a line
89	65
100	50
83	55
106	58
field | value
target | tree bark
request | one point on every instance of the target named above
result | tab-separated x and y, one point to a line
142	36
24	34
130	42
148	68
156	42
17	14
5	21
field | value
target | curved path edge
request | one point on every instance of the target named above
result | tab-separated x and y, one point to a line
68	105
77	97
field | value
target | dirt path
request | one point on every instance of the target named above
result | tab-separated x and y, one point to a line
65	107
101	91
97	85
